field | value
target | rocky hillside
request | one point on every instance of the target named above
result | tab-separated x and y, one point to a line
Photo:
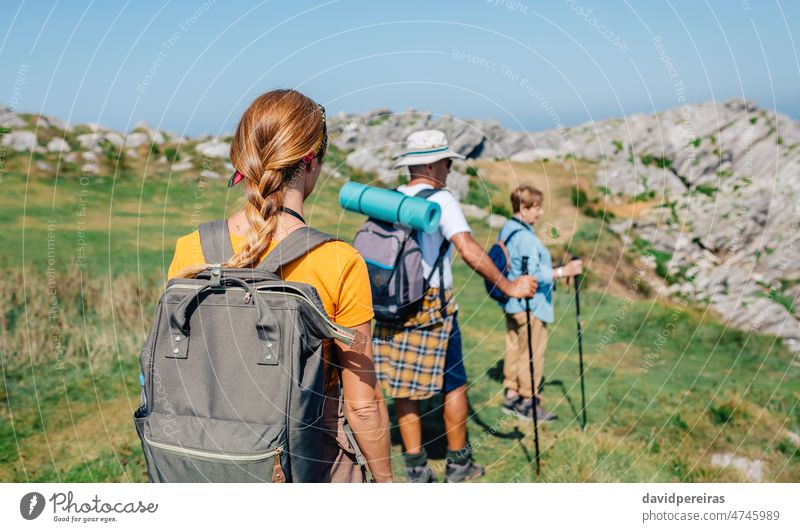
707	194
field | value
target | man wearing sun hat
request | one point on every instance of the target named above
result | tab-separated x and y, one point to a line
433	334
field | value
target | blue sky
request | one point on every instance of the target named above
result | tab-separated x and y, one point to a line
193	66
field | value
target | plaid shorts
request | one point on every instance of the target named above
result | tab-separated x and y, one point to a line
410	357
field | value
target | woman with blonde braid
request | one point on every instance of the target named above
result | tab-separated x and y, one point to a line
277	151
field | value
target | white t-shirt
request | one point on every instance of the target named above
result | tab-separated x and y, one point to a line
452	223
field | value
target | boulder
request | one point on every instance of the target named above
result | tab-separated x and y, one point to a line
214	148
136	139
473	211
751	470
182	166
58	144
10	119
20	140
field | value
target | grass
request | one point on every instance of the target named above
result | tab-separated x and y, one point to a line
666	386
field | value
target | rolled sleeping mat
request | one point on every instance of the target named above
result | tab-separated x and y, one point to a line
391	206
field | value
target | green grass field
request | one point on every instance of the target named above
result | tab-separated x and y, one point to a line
659	403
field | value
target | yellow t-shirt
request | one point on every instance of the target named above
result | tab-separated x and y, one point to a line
335	269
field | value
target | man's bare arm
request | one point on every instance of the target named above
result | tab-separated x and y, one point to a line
477	259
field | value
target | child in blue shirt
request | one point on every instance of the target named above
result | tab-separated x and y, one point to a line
522	242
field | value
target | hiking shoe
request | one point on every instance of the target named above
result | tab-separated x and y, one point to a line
463	472
420	474
525	411
545	416
510	404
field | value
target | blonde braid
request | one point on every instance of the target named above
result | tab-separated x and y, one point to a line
263	201
278	129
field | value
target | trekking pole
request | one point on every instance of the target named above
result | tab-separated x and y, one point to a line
530	365
580	343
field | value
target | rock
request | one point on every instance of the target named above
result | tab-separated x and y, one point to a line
90	167
538	154
473	211
90	141
211	174
154	135
793	437
752	470
458	184
43	165
9	119
136	139
58	144
214	148
20	141
59	124
182	166
114	138
496	221
95	128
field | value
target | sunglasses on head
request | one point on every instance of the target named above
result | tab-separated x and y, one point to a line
319	154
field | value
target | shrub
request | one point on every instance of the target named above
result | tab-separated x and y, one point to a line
721	414
579	197
172	155
501	209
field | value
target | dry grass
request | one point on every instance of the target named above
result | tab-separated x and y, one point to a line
65	318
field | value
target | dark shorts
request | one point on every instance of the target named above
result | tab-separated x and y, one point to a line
455	374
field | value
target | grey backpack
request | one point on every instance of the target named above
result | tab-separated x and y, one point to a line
394	262
232	370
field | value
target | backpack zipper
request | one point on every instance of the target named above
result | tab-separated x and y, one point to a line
278	477
208	455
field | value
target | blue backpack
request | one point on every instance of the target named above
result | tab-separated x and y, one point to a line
499	255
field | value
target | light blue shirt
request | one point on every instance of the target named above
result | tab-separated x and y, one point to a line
540	265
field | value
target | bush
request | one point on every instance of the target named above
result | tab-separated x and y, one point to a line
660	162
588	206
721	414
579	197
172	155
480	193
501	209
707	190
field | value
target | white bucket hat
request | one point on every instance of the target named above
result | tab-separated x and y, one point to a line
427	146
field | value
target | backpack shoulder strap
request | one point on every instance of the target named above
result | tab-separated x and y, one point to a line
215	241
296	244
426	193
521	227
508	238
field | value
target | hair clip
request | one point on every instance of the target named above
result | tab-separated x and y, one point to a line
235	178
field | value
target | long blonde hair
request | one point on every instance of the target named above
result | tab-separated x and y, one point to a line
278	135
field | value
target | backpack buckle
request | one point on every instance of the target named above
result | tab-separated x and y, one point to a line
216	277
